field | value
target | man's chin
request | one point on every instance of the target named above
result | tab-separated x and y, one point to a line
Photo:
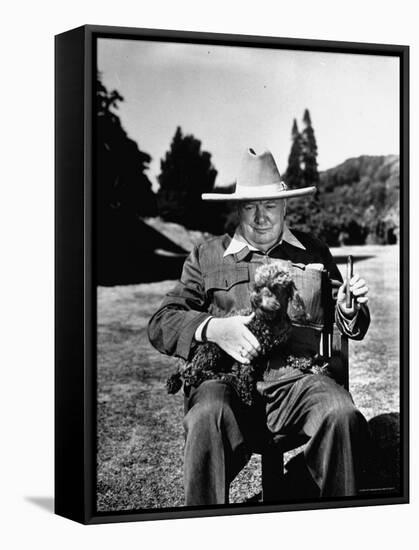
263	237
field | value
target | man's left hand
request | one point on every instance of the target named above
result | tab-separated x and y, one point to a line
359	290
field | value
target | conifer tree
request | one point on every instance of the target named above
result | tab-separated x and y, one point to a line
309	152
294	173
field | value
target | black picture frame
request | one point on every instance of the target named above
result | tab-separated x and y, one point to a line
75	270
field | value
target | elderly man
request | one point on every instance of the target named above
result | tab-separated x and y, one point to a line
216	281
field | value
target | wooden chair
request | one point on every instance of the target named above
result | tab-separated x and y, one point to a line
273	453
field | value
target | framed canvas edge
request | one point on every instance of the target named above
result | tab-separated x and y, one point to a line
404	268
278	42
69	384
244	509
88	514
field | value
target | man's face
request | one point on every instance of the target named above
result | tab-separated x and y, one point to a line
262	222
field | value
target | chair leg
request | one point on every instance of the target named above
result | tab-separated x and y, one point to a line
272	475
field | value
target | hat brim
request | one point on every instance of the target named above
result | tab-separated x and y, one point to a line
242	196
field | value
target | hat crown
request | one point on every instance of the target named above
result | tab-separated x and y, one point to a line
259	179
258	170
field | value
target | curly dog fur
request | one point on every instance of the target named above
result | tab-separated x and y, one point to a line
272	291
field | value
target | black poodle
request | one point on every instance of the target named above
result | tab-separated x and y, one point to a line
269	299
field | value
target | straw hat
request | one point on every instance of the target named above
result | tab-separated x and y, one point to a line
259	179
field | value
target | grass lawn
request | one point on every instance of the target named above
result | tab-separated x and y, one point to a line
140	435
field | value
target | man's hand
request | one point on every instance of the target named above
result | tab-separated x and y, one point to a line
233	336
359	289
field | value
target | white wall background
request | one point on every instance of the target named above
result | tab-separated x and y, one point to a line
26	275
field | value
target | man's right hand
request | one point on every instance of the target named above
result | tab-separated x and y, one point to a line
233	336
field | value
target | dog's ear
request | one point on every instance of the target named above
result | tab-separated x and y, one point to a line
255	299
291	289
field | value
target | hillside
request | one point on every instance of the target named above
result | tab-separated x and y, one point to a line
179	235
357	203
369	186
364	169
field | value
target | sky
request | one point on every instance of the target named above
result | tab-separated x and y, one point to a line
232	98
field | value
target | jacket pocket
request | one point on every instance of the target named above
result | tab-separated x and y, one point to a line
225	279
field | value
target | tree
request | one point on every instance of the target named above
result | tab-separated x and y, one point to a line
294	173
120	165
122	194
309	152
186	172
301	172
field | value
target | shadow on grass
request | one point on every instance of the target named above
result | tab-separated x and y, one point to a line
136	253
385	453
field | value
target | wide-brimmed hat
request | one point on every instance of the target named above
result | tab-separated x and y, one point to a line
259	179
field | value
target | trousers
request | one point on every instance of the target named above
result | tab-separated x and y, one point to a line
221	434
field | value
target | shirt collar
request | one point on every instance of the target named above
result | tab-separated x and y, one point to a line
238	242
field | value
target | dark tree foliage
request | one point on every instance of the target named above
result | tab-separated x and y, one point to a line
121	180
309	152
302	172
294	174
186	173
122	194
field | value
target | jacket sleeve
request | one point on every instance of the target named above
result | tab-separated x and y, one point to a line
171	329
355	327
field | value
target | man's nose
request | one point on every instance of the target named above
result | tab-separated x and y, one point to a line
260	214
